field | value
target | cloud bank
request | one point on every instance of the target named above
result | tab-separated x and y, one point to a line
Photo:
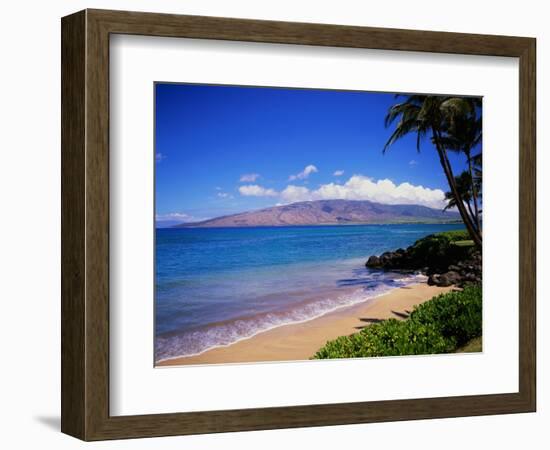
358	187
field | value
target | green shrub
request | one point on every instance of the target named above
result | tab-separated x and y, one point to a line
389	338
439	325
456	314
440	250
455	235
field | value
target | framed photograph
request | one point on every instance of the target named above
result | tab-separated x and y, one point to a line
273	225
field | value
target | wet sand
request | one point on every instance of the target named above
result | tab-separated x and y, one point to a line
300	341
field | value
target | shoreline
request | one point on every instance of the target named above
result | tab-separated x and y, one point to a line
300	341
335	224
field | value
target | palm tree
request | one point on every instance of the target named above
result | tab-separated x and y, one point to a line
464	186
478	175
463	130
423	115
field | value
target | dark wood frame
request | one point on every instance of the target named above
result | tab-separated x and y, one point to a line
85	224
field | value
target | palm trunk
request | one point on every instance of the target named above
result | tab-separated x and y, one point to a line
474	190
474	234
470	211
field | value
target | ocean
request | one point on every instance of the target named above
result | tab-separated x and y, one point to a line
216	286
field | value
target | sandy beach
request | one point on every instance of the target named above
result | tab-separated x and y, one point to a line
300	341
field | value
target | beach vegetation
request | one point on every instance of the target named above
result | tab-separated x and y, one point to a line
440	325
440	250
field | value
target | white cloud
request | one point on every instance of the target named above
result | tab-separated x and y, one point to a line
304	173
249	177
338	173
172	216
358	187
177	217
413	162
253	190
293	194
160	157
224	195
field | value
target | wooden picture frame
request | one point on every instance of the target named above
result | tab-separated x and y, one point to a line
85	224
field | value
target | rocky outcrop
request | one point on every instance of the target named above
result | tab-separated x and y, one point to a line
443	263
446	279
400	259
464	272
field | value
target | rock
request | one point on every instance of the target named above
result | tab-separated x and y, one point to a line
445	279
373	261
449	278
469	277
386	257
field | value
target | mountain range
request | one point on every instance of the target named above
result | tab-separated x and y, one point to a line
329	212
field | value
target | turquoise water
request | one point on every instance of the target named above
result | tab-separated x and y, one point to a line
215	286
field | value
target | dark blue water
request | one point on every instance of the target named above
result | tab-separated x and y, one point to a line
215	286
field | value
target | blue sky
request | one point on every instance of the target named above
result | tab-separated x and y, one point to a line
227	149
